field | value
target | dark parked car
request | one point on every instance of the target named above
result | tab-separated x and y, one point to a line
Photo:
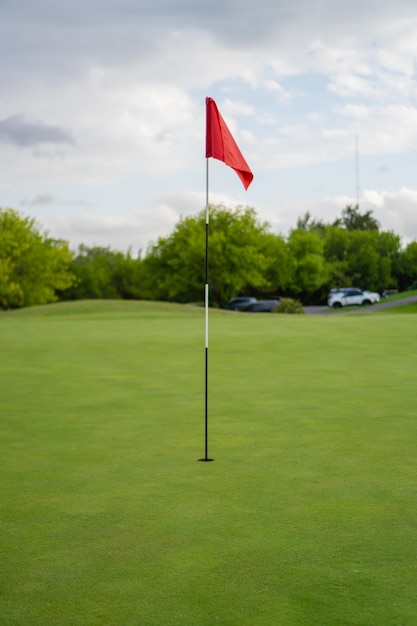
262	306
240	303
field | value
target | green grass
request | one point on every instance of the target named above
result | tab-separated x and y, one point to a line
405	308
308	514
400	295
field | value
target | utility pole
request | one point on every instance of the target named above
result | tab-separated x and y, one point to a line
357	168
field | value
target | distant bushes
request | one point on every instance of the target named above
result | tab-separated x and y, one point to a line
289	305
245	258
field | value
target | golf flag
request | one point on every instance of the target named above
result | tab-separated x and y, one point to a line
221	145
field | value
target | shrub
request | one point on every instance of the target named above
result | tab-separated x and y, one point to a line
289	305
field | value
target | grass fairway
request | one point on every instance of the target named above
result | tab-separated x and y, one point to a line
307	516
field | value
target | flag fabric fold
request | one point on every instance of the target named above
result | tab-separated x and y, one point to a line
221	145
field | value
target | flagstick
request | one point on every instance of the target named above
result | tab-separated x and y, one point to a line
217	136
206	303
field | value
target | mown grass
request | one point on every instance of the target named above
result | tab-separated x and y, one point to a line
400	295
404	308
307	515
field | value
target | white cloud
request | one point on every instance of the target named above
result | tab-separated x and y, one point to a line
133	230
395	210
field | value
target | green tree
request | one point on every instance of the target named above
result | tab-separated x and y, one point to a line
33	266
363	260
104	273
310	271
240	257
407	272
389	251
128	276
353	219
307	222
279	266
336	251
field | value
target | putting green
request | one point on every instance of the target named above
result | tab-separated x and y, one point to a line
307	515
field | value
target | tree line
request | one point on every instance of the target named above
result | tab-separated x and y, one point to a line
245	257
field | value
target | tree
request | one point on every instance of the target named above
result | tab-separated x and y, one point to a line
33	266
309	268
356	253
279	266
239	258
363	260
389	250
372	259
104	273
407	273
306	222
336	250
353	219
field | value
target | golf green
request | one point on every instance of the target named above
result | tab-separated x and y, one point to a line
308	515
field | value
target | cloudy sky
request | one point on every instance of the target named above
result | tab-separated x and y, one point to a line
102	111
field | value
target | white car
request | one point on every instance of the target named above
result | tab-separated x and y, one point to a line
351	296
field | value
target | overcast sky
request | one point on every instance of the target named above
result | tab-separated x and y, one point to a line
102	112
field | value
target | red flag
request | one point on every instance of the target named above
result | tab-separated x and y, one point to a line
221	145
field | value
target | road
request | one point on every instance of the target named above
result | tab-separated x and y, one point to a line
325	310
